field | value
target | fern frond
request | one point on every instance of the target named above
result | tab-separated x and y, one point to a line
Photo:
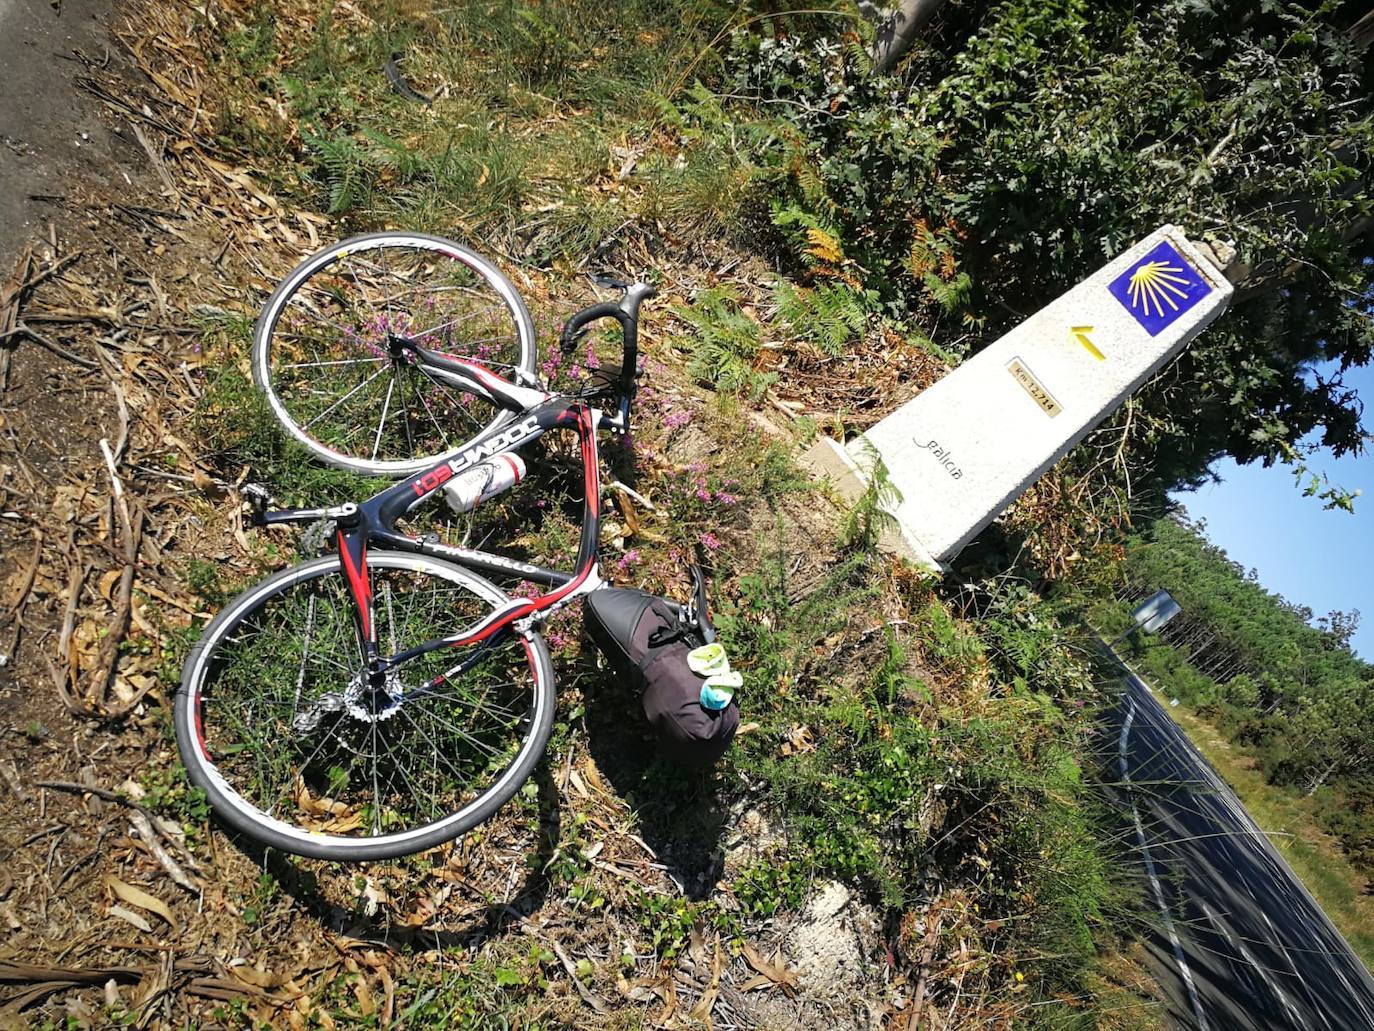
726	344
951	295
347	177
823	246
829	316
871	514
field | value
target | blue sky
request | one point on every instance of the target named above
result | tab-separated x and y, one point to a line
1324	560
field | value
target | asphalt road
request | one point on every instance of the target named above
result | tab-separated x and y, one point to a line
1238	942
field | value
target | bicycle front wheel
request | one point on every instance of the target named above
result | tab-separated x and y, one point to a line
296	747
327	350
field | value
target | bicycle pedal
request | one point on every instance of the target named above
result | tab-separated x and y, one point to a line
256	493
257	497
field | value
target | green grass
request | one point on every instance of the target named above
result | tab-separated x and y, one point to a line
543	129
1340	889
881	772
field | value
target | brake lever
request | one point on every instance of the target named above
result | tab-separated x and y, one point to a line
611	282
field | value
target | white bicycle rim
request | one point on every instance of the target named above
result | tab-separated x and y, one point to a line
267	322
252	821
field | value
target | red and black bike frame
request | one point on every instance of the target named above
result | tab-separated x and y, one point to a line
373	522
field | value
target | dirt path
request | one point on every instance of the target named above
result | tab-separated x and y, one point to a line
63	160
58	156
90	336
54	141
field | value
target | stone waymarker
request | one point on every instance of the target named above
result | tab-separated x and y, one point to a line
965	448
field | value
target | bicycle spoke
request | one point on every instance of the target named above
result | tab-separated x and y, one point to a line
405	415
463	734
343	361
329	737
476	424
322	319
386	298
341	400
438	754
488	707
430	412
462	318
358	282
386	407
305	652
376	791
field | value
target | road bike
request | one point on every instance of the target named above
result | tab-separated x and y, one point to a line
386	697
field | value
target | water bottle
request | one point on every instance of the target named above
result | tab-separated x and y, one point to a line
715	698
484	480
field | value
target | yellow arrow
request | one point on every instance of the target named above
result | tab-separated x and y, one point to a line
1080	333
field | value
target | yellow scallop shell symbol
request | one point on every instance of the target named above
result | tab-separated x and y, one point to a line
1153	282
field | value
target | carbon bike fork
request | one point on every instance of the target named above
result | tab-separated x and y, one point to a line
351	539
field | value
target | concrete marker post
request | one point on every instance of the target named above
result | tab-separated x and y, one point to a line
965	448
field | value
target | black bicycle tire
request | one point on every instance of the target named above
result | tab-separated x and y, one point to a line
237	813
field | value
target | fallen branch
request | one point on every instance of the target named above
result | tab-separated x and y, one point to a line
617	485
66	672
168	830
918	994
44	981
130	521
144	828
14	611
594	1001
21	283
132	532
38	338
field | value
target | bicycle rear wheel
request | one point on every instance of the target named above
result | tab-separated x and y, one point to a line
326	350
277	721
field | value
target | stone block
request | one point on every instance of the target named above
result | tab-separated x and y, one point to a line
964	449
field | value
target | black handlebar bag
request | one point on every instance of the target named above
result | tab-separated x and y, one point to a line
646	640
